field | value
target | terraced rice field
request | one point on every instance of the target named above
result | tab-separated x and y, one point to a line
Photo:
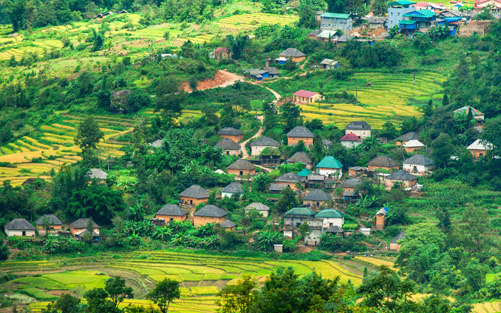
55	145
384	98
254	20
201	276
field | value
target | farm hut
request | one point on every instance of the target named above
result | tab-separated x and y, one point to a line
297	216
293	54
231	133
394	245
50	221
479	148
304	173
359	128
305	97
328	64
300	133
418	164
303	158
330	217
228	225
350	141
383	162
381	218
221	53
316	197
407	137
351	184
228	146
156	144
262	143
209	214
290	179
330	166
412	145
97	174
277	188
79	226
315	181
377	22
232	189
241	167
261	208
405	178
194	195
313	34
171	212
334	230
19	227
357	170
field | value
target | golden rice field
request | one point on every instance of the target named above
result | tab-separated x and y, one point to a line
384	98
254	20
200	276
375	261
54	144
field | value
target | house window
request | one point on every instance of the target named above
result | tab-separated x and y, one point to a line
24	233
241	172
171	219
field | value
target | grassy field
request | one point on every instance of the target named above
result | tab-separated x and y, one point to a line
54	144
201	276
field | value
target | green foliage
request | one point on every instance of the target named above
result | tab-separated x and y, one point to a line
165	292
238	297
4	251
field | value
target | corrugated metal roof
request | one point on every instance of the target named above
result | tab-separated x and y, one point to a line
305	93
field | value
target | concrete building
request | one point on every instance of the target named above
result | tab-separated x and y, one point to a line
232	189
209	214
300	133
306	97
397	10
330	218
19	227
262	143
228	146
261	208
48	220
335	21
418	164
297	216
479	148
231	133
194	195
171	212
350	141
329	166
241	167
359	128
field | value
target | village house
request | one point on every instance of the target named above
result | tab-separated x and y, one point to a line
156	144
261	208
381	218
420	19
351	184
328	64
221	53
357	170
297	216
315	181
406	138
326	143
304	172
19	227
303	158
79	228
359	128
315	232
383	162
330	166
326	35
394	245
241	167
334	231
232	189
479	148
412	145
305	97
335	21
258	145
228	146
228	225
377	22
97	174
397	10
316	198
194	195
231	133
403	177
290	179
350	141
314	33
493	5
293	54
209	214
277	188
418	164
50	222
477	115
300	133
263	73
171	212
330	218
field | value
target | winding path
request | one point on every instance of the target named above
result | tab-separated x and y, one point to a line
242	144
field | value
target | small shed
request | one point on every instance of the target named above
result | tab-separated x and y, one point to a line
394	245
156	144
293	54
19	227
232	189
328	64
290	179
315	181
334	230
407	137
304	173
351	184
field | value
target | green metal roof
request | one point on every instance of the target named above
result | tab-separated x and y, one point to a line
335	15
305	172
300	211
407	22
401	2
425	13
329	213
329	162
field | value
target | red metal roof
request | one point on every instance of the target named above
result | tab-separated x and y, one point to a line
421	4
221	49
305	93
350	137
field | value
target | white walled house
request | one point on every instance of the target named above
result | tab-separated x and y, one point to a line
418	164
262	143
330	166
359	128
20	227
350	141
232	189
330	217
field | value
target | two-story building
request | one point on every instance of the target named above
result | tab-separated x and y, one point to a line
335	21
397	10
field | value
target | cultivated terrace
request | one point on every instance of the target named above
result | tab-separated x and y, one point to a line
250	156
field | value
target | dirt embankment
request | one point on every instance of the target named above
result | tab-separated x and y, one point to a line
221	79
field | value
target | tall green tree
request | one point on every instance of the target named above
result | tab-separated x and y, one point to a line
88	136
118	291
170	99
16	10
290	115
238	297
165	292
442	150
287	200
